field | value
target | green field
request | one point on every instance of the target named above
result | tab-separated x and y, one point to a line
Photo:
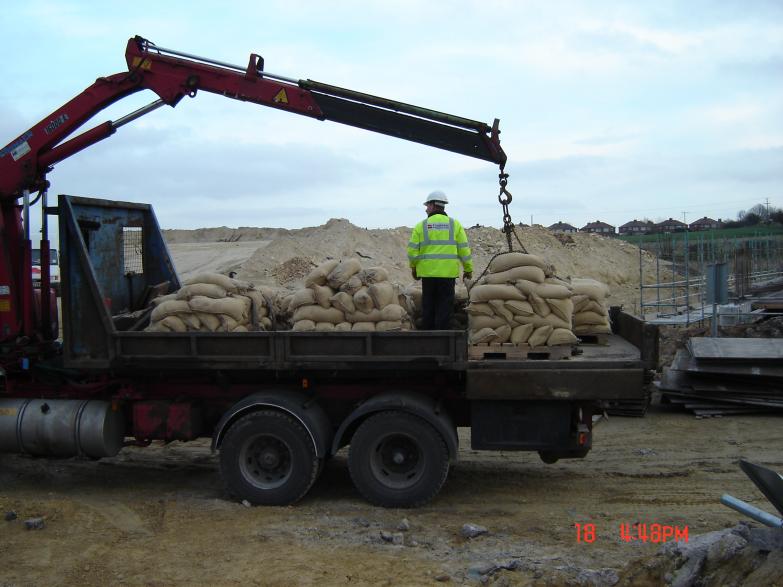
749	232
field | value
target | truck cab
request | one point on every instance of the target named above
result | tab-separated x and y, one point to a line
54	269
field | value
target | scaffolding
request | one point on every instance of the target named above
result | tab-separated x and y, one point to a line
678	292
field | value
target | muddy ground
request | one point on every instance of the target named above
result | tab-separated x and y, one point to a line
159	515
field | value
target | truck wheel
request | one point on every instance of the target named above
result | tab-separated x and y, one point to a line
398	460
268	458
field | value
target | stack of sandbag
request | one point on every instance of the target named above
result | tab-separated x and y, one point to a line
341	296
591	314
520	301
211	302
410	299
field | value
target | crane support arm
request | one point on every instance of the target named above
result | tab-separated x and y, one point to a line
173	75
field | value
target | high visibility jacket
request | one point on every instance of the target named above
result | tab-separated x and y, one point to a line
437	247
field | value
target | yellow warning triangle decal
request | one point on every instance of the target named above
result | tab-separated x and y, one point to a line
281	97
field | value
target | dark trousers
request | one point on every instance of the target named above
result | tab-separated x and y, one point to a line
437	302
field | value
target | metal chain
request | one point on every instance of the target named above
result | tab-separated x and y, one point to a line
504	197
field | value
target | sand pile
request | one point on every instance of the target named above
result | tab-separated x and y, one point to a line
607	260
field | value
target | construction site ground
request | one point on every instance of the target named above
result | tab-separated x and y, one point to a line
159	515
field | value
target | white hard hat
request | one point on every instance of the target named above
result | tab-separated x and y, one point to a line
437	197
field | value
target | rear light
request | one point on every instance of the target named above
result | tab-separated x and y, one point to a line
582	438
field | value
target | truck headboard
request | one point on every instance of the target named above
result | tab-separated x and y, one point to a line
111	254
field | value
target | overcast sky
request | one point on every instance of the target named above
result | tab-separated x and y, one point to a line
608	110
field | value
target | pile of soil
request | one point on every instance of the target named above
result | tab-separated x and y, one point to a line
283	256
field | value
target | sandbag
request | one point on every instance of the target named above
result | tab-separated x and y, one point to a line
552	320
174	324
342	327
363	300
240	328
520	334
236	307
589	318
483	335
373	275
344	270
319	314
550	291
209	290
161	299
215	278
392	313
323	295
485	293
265	323
388	325
304	326
540	336
343	301
303	297
258	308
373	315
480	322
168	308
363	327
319	275
530	273
519	308
324	327
503	333
209	322
563	308
227	323
508	260
353	285
382	294
584	329
590	287
539	305
593	306
500	310
561	336
480	309
190	320
527	287
580	302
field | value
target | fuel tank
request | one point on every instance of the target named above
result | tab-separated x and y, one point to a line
63	428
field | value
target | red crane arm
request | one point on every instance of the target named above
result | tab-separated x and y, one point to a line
25	161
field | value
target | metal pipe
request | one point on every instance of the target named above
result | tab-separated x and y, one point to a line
26	210
751	511
137	113
163	50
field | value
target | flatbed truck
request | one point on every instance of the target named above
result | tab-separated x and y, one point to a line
276	404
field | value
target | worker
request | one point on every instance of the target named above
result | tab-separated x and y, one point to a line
437	247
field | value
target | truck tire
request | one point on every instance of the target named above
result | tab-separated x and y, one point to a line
267	458
397	459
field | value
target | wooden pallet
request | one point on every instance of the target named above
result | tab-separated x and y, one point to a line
511	351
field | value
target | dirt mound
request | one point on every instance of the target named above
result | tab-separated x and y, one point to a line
742	555
611	261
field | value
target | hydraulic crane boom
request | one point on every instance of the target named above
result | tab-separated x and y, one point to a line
172	75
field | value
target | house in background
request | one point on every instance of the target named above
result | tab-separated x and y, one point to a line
671	225
636	227
562	228
598	227
705	224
